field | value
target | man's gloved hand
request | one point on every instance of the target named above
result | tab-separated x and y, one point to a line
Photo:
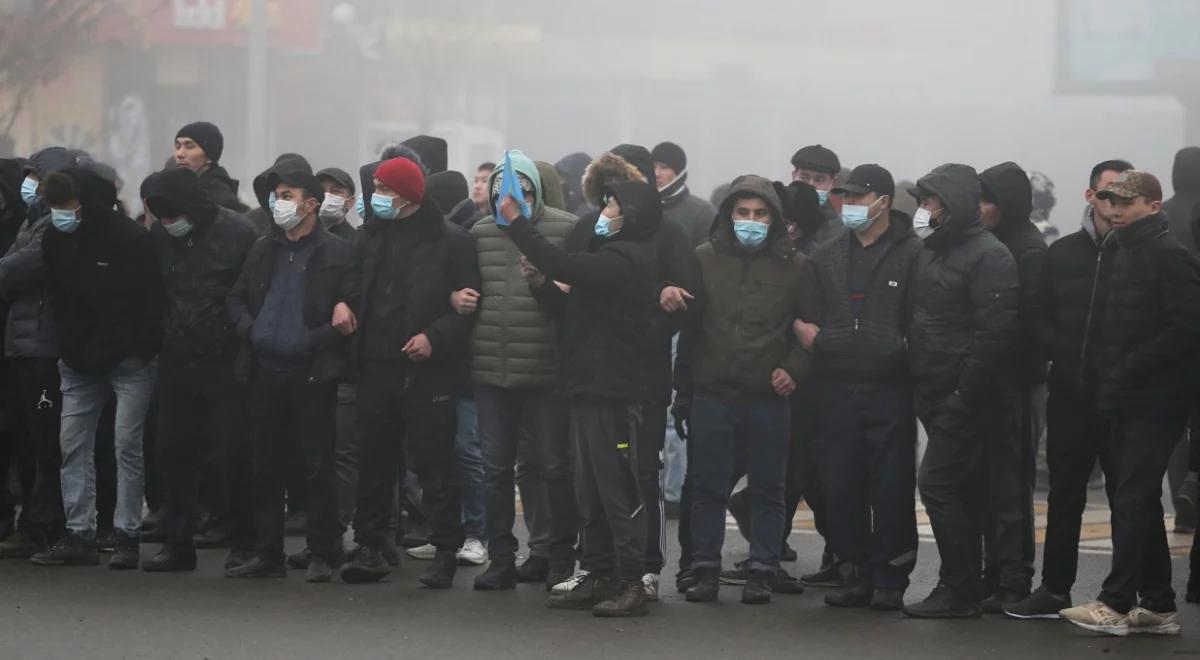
681	410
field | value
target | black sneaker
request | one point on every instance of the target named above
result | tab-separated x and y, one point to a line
534	569
708	585
758	588
592	591
784	583
366	565
440	574
171	560
236	558
71	550
126	552
739	508
106	540
788	553
1041	604
318	570
995	603
23	544
685	579
738	574
827	577
887	600
943	603
299	560
559	573
854	592
630	600
501	575
258	568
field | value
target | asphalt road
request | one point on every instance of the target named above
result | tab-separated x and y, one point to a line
99	613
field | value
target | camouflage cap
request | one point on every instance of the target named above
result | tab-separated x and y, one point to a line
1131	184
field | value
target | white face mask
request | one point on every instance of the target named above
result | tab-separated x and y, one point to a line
333	208
286	215
921	219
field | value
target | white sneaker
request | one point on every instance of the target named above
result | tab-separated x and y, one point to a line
1148	622
473	553
1098	617
650	585
570	584
425	552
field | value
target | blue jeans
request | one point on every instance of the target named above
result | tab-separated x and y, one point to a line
720	432
470	466
83	398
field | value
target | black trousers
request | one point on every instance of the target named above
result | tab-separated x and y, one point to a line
951	484
1076	436
396	418
291	414
201	415
865	449
36	408
606	487
1008	528
1139	450
652	432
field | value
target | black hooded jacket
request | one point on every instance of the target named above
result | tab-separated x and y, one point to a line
1183	209
199	269
612	299
29	326
1008	184
1152	323
106	286
1074	292
571	169
222	188
965	297
871	347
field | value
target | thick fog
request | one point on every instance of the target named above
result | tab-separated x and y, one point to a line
740	85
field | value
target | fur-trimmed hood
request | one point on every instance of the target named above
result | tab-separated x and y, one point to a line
607	169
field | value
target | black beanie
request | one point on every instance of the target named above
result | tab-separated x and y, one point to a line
207	135
817	158
433	152
671	155
448	189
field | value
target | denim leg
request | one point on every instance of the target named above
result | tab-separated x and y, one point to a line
83	398
470	465
133	382
765	434
714	428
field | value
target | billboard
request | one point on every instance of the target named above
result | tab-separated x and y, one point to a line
1127	46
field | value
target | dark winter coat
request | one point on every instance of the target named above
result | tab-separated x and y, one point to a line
105	283
965	297
871	347
1183	209
1151	324
222	188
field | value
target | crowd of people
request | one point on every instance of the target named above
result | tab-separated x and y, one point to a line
576	331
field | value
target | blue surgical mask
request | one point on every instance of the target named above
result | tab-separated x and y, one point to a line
360	207
65	221
271	201
823	197
750	233
604	226
855	217
178	229
381	205
29	188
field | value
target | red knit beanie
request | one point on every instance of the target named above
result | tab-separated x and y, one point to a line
404	177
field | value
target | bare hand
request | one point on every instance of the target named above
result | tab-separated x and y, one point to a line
782	383
344	320
418	348
806	333
673	299
465	301
531	274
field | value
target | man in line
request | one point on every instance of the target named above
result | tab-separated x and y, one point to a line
198	147
1149	344
1073	292
680	206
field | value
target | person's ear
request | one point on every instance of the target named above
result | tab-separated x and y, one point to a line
1155	207
1089	196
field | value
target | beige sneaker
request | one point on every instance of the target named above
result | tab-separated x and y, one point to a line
1098	617
1147	622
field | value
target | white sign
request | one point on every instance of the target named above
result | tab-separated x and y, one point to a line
199	14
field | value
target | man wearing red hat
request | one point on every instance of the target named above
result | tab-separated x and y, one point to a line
409	351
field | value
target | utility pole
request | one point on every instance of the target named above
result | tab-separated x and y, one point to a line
256	86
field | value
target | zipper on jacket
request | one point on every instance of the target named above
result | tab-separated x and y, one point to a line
1087	328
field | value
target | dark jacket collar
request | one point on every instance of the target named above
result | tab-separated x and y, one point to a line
1141	231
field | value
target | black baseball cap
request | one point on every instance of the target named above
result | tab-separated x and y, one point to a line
865	179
